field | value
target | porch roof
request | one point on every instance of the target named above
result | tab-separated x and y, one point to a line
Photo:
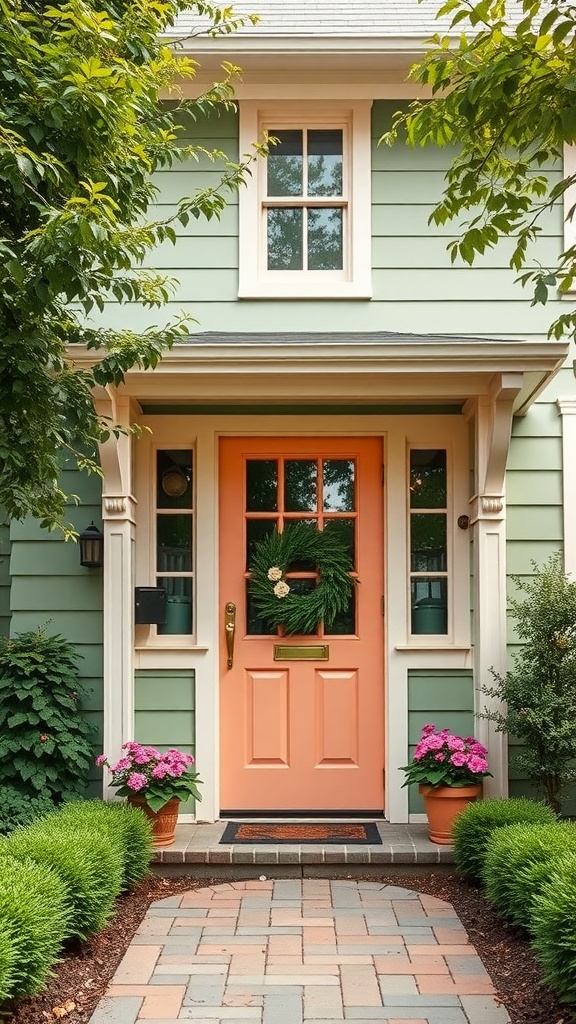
360	368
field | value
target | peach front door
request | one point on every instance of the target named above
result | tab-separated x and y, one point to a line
302	735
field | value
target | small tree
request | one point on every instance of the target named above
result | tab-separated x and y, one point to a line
540	691
45	743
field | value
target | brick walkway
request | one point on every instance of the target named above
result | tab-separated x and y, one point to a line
289	951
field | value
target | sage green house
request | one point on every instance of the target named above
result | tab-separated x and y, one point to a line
343	373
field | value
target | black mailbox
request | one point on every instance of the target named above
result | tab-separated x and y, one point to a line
150	605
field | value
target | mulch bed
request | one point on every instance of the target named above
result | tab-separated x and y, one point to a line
83	974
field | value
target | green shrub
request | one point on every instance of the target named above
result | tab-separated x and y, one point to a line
538	695
126	827
18	808
519	859
45	747
34	922
87	861
474	826
553	925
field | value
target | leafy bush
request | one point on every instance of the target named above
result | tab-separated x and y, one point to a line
18	808
474	826
34	922
540	692
45	747
519	859
553	924
87	861
126	827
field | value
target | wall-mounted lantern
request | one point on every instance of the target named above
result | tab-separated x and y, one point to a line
91	543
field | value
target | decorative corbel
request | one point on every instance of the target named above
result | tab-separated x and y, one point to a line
493	428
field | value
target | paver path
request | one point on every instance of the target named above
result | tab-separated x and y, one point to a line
290	951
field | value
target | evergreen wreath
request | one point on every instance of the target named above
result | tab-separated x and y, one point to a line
276	603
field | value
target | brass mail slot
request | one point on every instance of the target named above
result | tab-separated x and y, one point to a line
286	652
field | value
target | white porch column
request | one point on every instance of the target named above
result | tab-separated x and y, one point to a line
492	418
118	507
567	410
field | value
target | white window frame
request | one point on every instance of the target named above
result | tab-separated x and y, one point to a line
354	281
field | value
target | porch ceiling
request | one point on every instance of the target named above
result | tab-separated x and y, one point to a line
361	368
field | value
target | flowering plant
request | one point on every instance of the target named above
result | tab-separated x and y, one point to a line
442	759
156	777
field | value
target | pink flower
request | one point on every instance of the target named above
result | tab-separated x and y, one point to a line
477	765
478	749
439	757
160	771
100	760
455	743
141	757
136	781
428	729
121	766
458	759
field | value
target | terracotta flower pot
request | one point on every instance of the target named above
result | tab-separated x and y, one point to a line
443	804
163	821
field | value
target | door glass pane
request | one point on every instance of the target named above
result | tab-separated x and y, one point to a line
300	485
325	163
174	543
174	479
345	531
428	478
325	251
256	530
255	626
178	605
285	245
428	542
338	485
429	599
285	163
345	622
261	485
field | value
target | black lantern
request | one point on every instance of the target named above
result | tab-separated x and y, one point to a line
91	548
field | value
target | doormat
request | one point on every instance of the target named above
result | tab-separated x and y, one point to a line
305	832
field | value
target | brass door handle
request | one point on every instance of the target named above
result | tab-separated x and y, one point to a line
230	630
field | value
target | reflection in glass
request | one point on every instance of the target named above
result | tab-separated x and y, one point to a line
338	485
345	531
324	163
429	600
325	250
428	542
300	485
255	626
285	162
174	543
178	605
174	478
285	246
261	485
428	478
256	530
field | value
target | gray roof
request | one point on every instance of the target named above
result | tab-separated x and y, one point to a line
328	338
346	18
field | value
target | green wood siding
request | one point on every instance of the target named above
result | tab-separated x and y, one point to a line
165	712
444	697
50	589
4	575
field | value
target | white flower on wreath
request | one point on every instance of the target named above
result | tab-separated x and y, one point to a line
281	589
274	574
